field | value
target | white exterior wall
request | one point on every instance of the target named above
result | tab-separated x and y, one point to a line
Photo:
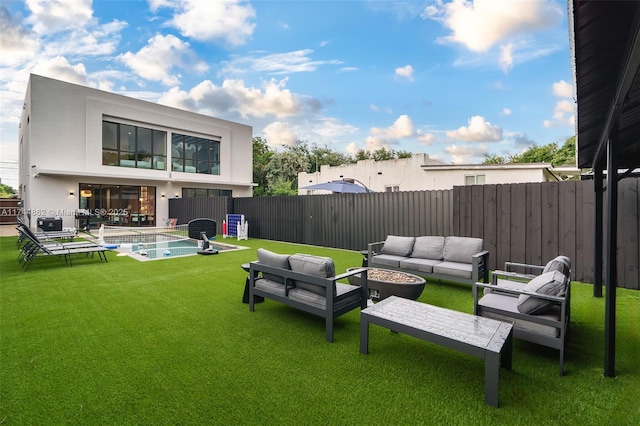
420	173
376	175
61	135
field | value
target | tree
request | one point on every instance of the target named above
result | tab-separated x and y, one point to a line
493	159
285	166
6	191
550	153
261	156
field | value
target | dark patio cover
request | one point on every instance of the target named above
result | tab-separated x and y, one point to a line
605	43
342	186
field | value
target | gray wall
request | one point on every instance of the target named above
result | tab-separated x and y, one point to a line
529	223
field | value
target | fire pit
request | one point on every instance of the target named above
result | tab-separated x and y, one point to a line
383	283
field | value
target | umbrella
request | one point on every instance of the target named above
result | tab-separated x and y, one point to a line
339	186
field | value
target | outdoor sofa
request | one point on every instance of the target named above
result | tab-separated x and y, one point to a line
458	259
307	283
537	303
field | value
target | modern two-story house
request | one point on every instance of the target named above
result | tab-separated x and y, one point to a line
120	159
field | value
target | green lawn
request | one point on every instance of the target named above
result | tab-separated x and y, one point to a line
169	342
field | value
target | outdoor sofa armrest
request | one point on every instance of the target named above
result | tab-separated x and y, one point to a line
512	276
374	249
515	266
480	262
517	292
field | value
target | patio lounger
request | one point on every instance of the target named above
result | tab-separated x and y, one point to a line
34	248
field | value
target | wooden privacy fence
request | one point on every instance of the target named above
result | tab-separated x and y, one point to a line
530	223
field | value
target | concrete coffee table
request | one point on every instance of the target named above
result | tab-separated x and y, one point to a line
484	338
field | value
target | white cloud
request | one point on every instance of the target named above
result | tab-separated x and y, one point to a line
506	111
277	63
154	61
60	69
329	127
563	115
383	137
506	57
461	153
481	24
478	130
564	110
427	138
233	96
17	43
562	89
279	133
405	72
51	16
352	148
227	21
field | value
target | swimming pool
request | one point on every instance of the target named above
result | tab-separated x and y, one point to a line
167	249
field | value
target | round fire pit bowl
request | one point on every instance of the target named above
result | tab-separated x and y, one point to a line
383	283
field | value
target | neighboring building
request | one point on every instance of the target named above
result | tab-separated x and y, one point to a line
122	158
420	173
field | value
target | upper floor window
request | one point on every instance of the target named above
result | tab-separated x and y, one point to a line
474	180
192	154
205	192
126	145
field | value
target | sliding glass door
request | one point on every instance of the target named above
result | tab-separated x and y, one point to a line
119	205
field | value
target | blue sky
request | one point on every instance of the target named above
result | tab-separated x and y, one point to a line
453	79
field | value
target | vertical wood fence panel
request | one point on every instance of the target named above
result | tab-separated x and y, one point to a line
529	223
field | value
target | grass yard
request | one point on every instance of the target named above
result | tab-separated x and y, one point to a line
169	342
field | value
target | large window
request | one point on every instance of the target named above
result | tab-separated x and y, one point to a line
204	192
192	154
119	205
125	145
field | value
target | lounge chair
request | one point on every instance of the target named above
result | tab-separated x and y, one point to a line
34	248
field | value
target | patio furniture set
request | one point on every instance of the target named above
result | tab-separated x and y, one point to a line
532	306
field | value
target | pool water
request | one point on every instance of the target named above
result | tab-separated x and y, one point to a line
169	249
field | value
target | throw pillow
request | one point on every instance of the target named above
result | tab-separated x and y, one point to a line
398	246
560	263
551	284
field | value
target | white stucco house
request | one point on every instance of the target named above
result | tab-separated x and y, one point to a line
120	158
420	173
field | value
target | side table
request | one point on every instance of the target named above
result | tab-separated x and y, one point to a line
247	283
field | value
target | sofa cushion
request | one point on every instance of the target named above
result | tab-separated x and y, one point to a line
551	284
560	263
387	260
345	294
428	248
419	265
269	286
509	305
461	249
275	260
312	265
454	269
398	246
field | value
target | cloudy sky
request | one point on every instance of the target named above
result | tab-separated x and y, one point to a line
453	79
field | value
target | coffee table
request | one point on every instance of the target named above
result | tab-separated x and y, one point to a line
481	337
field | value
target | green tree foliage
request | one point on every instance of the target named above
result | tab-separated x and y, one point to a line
285	166
261	156
381	154
550	153
282	187
6	191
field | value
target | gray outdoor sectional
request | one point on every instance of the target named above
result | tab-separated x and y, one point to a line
458	259
306	282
